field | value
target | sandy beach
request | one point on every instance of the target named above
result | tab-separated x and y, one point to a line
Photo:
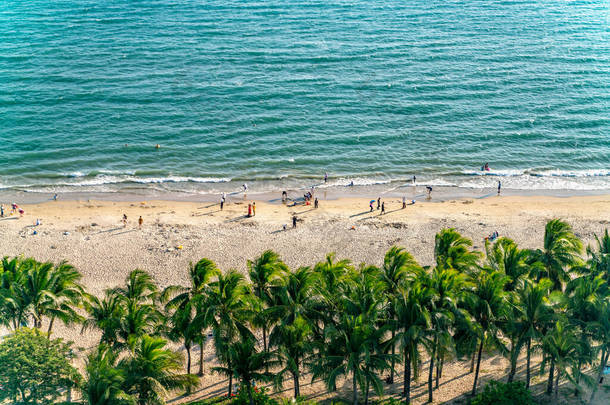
90	235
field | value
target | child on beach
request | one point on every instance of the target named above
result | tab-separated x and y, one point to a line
253	209
429	189
371	206
249	210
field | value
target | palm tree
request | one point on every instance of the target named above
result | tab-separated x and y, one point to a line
534	312
104	315
413	320
505	256
446	285
353	344
561	344
452	250
293	334
227	311
398	266
487	305
600	329
186	303
14	304
248	364
66	295
139	287
151	370
331	274
599	261
104	379
560	252
266	273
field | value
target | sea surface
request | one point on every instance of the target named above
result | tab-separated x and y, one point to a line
276	93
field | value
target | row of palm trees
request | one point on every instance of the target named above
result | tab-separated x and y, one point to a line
336	319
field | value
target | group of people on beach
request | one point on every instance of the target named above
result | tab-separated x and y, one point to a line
14	209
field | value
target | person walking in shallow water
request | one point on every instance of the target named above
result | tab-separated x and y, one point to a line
429	189
499	187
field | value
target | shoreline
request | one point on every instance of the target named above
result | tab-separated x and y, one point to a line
410	192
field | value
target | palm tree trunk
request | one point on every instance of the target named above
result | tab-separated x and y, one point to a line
230	378
188	358
393	360
549	385
476	373
297	386
513	363
602	365
474	355
557	385
431	370
438	371
366	393
265	345
407	380
249	388
355	398
50	327
200	373
527	367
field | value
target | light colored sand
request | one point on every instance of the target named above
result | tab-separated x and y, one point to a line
104	251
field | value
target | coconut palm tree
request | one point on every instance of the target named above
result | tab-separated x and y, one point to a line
413	320
599	260
14	304
66	294
151	370
293	335
104	380
487	305
560	253
561	344
398	267
533	313
184	303
139	287
505	256
228	310
104	315
600	329
446	285
248	364
266	273
353	345
452	250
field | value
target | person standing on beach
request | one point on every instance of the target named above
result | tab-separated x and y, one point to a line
245	186
124	220
294	221
284	196
383	208
378	202
253	209
55	197
222	202
315	203
413	179
371	206
404	202
249	210
140	222
2	211
325	177
499	187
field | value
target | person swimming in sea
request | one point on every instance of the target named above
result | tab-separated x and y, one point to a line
485	167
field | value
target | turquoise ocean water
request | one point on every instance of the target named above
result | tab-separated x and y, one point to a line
275	93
